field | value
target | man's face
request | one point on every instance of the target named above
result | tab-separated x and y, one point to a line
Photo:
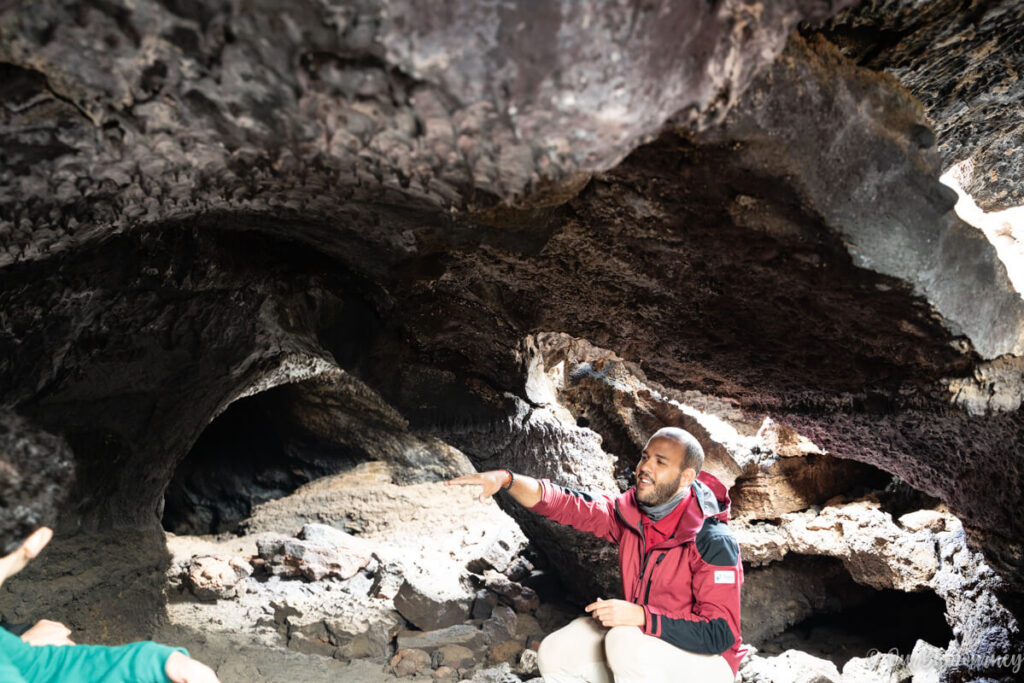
659	474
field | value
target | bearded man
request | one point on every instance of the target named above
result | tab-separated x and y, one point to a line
681	571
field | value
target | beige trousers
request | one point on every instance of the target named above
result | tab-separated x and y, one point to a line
585	651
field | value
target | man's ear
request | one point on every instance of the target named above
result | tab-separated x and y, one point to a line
689	475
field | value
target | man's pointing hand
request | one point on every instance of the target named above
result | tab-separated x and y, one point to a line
524	490
490	482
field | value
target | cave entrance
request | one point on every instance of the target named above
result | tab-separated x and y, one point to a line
257	450
848	619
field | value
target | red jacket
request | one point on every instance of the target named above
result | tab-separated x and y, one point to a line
689	584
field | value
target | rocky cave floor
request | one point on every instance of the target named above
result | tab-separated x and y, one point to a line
269	276
355	577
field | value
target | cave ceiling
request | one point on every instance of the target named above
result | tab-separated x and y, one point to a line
198	200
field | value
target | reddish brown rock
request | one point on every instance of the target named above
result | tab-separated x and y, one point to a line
409	662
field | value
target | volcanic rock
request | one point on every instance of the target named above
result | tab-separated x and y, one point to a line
409	662
429	608
881	667
210	578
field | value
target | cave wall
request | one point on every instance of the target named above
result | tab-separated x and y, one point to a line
190	213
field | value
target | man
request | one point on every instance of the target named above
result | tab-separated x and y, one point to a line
681	571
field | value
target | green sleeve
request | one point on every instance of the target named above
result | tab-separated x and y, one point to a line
8	672
134	663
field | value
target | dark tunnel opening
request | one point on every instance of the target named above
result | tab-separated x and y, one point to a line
251	453
853	620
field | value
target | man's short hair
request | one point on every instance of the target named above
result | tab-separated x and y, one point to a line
693	452
35	473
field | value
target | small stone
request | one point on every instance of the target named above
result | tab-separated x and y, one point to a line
521	598
456	657
300	642
501	625
484	604
933	520
216	577
367	636
527	626
497	674
445	673
409	662
507	651
528	663
460	634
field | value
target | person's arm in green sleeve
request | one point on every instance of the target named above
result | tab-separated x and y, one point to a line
144	662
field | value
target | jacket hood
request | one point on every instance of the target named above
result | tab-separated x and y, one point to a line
709	498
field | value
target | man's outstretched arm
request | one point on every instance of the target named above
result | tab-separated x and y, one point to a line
525	490
592	514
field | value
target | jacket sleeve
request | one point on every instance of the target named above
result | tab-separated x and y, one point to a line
713	624
594	514
141	662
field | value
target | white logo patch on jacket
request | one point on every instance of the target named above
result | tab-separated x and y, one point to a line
726	576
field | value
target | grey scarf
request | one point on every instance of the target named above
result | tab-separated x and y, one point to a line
659	512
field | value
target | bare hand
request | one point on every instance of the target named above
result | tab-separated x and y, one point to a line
46	632
489	482
182	669
32	546
617	613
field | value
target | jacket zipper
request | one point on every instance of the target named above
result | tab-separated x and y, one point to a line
650	580
643	547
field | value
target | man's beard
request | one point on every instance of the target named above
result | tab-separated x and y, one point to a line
660	493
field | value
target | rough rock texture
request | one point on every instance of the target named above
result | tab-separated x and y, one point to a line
210	578
202	203
318	552
791	666
872	547
963	63
35	471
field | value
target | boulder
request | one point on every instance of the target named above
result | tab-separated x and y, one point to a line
880	667
367	635
320	552
409	662
430	607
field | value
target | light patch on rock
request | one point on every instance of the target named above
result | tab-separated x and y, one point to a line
792	666
994	387
785	441
875	550
1004	229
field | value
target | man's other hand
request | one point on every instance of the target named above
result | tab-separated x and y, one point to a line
489	482
182	669
617	613
46	632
